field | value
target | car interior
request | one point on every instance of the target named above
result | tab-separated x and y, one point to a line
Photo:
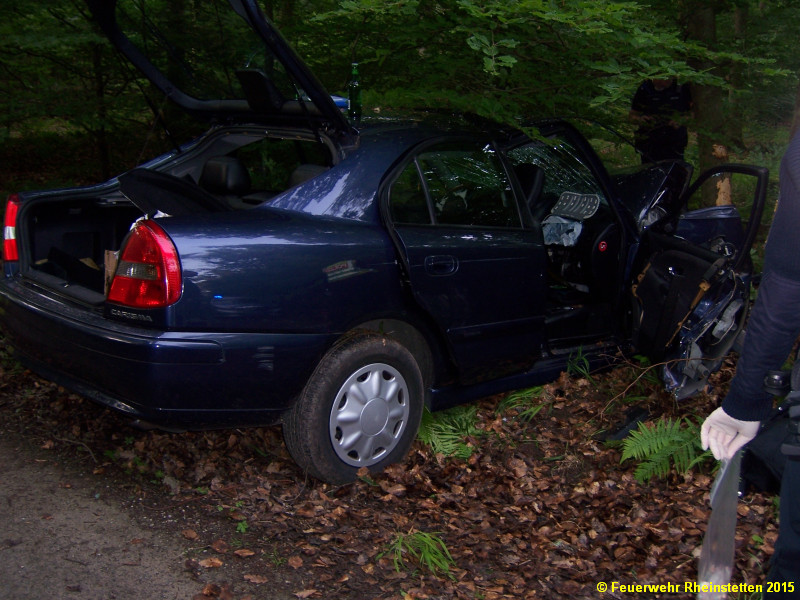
582	242
244	173
464	188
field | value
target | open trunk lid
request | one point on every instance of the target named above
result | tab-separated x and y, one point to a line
242	69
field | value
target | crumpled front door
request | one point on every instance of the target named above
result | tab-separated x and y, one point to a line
692	295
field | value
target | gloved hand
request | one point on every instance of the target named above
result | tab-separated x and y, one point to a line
725	435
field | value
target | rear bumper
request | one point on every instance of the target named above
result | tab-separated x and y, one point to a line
172	379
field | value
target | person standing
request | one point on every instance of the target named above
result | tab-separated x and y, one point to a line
772	330
659	107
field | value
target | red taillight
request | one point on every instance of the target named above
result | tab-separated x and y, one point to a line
10	249
148	273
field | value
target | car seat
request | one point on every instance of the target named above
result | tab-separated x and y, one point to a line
227	178
153	192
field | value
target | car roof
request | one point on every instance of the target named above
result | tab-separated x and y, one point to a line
350	189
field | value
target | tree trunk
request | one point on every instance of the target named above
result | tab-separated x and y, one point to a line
712	134
737	75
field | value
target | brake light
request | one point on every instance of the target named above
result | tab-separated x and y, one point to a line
148	273
10	249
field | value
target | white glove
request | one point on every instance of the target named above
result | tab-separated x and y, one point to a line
725	435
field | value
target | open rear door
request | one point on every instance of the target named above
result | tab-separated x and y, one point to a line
692	293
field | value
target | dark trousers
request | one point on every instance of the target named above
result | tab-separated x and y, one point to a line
771	332
784	574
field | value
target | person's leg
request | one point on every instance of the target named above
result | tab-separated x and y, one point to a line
784	573
772	329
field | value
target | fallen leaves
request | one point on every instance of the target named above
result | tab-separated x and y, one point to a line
213	590
541	508
210	563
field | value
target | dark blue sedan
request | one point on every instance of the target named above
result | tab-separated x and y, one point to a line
289	267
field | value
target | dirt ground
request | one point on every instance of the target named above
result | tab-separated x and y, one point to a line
64	536
70	534
538	507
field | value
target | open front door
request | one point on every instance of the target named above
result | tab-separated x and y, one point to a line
692	292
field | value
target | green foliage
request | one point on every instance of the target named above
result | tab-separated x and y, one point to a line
662	445
646	381
527	57
276	557
578	365
447	432
510	61
523	401
9	365
649	375
493	59
425	550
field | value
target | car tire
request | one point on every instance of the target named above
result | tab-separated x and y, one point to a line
361	408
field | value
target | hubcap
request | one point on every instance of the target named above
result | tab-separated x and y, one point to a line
369	415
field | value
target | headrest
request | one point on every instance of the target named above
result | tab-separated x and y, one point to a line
225	175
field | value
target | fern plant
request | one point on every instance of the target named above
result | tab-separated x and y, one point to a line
427	550
523	402
446	432
578	365
662	445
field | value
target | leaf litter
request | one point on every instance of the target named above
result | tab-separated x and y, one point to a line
541	508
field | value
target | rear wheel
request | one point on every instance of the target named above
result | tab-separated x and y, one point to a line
360	408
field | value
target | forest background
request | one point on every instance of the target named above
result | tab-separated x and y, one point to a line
73	112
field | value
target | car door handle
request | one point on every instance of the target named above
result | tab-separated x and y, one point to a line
442	264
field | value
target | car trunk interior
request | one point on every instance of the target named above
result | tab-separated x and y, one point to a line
69	241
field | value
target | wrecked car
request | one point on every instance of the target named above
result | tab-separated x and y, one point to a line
289	267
